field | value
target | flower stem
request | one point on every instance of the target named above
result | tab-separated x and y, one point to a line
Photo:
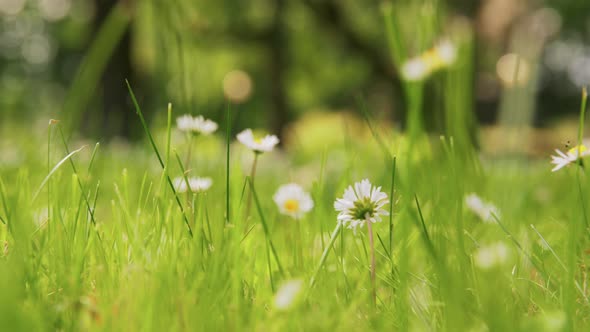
297	244
252	175
372	245
189	152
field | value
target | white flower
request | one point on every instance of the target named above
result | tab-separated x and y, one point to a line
197	125
483	210
287	294
415	70
360	204
196	184
292	200
440	56
491	256
258	145
446	51
564	159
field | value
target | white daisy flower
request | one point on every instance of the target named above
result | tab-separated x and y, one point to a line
491	256
196	184
447	52
293	201
572	156
415	69
287	294
257	144
196	125
482	209
360	204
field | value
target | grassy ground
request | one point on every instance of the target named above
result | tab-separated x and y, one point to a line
130	264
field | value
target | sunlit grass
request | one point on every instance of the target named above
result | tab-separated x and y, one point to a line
123	238
139	268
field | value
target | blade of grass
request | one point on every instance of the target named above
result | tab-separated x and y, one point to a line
168	134
153	143
327	249
55	168
92	157
227	162
580	140
272	283
184	173
519	247
80	185
391	191
427	239
94	209
546	244
582	117
388	255
265	225
4	205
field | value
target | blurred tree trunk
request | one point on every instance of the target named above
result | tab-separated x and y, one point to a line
116	118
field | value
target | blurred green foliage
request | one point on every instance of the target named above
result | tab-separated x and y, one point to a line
297	55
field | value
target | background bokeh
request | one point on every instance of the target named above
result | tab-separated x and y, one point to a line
274	60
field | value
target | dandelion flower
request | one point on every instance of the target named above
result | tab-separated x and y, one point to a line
482	209
573	155
361	203
257	144
196	125
293	201
491	256
196	184
287	294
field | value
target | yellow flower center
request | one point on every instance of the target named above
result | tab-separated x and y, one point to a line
291	205
574	151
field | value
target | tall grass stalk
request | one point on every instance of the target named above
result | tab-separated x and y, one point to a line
227	163
373	267
577	224
325	253
252	176
155	148
265	226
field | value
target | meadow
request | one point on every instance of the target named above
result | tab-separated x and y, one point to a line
96	238
352	221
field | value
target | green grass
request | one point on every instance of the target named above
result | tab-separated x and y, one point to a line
138	268
98	239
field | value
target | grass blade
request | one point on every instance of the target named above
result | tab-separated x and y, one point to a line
82	189
427	239
153	143
55	168
227	162
327	249
265	225
391	206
